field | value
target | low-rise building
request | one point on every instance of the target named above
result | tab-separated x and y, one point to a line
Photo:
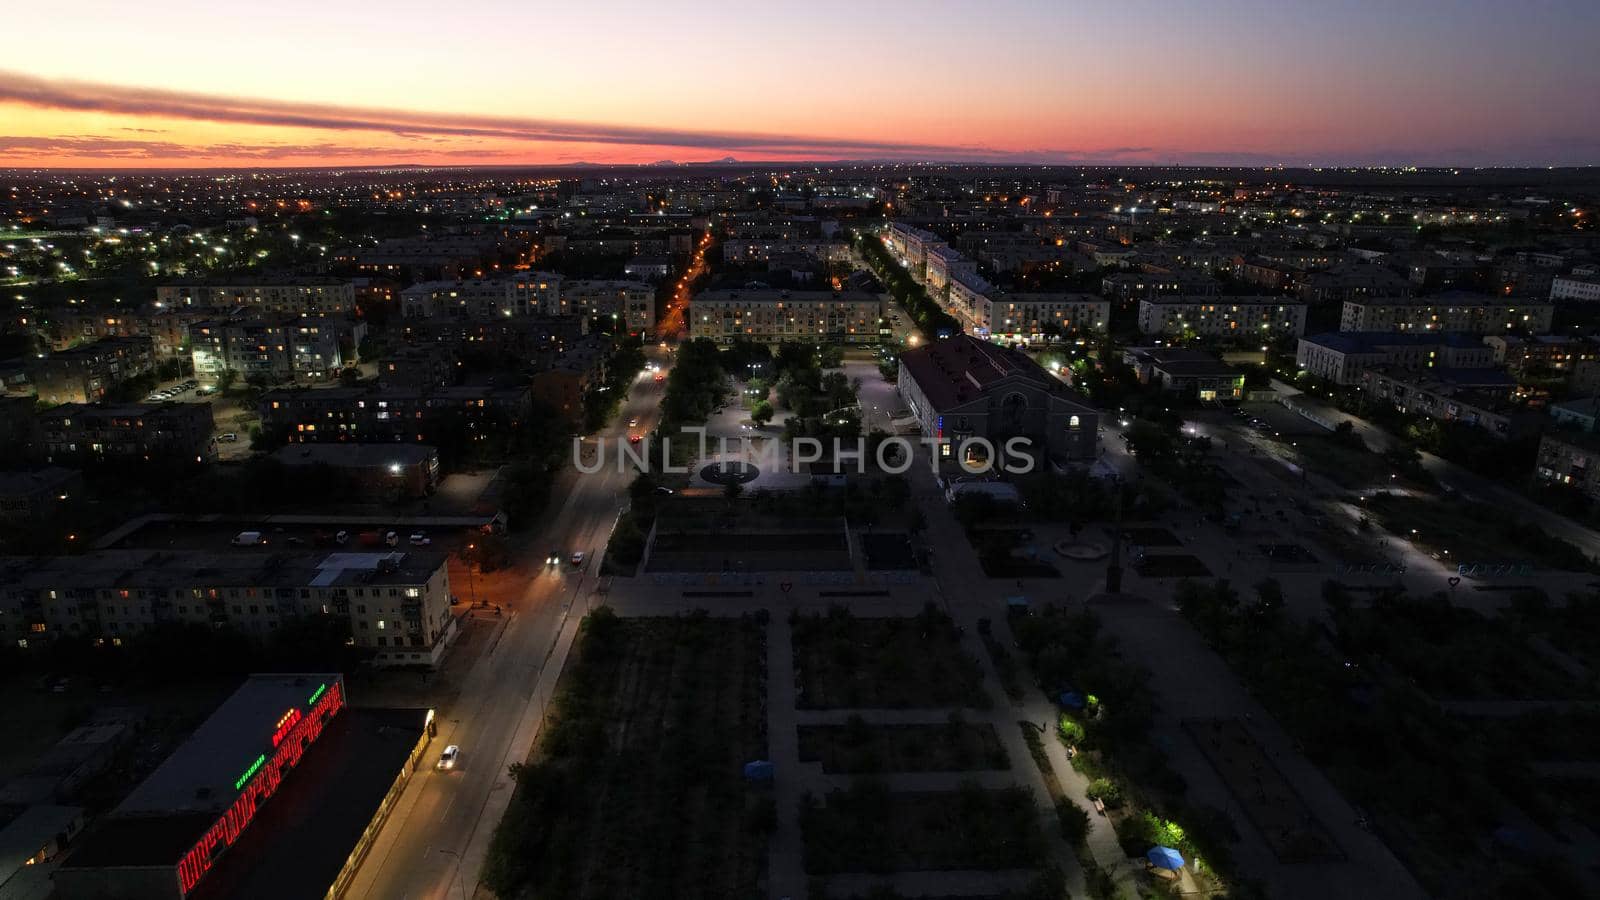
397	602
376	471
1246	318
773	315
1582	413
1139	285
278	794
37	494
271	351
85	373
478	298
1575	288
563	385
911	245
1191	373
1541	353
963	388
299	296
1341	356
1352	282
1477	397
629	302
136	431
1570	458
1039	315
1451	311
393	415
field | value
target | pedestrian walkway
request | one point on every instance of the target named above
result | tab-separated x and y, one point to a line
786	871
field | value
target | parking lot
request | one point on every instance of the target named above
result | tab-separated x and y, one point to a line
220	535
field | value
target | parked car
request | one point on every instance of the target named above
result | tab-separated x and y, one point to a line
228	437
248	539
420	540
392	539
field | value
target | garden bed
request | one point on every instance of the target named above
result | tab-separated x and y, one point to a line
635	788
857	747
842	662
872	829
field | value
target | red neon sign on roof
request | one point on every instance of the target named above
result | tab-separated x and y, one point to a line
285	724
295	735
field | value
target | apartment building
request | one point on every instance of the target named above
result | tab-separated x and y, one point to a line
311	296
1140	285
910	246
62	329
397	603
1542	353
773	315
1477	397
1352	282
399	415
477	298
85	373
1570	458
630	302
1342	356
757	249
271	351
1035	315
1575	288
1452	311
175	431
1251	318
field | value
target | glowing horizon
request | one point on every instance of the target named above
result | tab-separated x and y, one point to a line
178	84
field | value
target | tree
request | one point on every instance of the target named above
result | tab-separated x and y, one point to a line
761	413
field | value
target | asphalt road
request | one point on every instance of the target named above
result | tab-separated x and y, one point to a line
420	851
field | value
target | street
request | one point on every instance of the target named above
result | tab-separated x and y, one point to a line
436	838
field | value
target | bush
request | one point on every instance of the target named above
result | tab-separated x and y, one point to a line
1069	730
1106	791
1074	822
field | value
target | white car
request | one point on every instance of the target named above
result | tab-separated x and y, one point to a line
577	558
633	423
420	540
447	759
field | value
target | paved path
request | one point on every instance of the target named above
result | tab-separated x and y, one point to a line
786	873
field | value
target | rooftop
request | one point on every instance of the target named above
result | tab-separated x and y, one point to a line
959	369
1372	341
183	570
354	456
207	771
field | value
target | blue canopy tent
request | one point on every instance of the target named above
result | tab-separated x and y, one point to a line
1164	858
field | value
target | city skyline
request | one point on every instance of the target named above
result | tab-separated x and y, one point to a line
1234	83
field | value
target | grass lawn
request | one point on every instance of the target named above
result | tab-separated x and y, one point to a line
843	662
635	788
956	746
1465	533
872	829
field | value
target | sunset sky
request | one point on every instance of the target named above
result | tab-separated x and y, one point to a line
296	82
